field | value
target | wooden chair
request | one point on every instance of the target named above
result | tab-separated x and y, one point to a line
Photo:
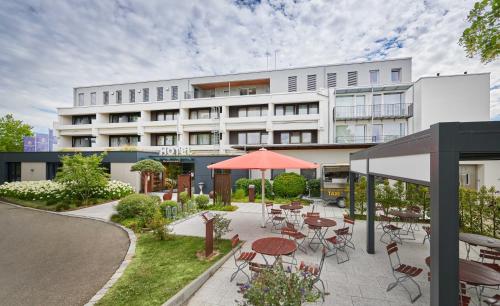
269	206
402	272
427	230
277	218
299	238
492	257
348	223
339	243
241	259
315	271
390	229
493	301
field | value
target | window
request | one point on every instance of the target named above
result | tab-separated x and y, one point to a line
374	76
331	79
165	115
295	137
93	100
85	119
124	117
351	134
205	138
313	109
352	78
248	137
82	141
276	172
124	140
248	91
377	133
105	97
247	111
175	92
311	82
159	93
396	75
302	109
309	174
80	99
145	94
306	137
131	95
204	113
118	97
292	83
289	110
164	139
285	138
296	109
13	171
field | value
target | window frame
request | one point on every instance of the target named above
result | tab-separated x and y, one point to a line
377	74
398	70
81	99
159	93
174	92
105	97
118	96
129	138
145	95
131	95
93	98
173	136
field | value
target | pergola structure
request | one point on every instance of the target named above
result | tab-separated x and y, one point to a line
430	157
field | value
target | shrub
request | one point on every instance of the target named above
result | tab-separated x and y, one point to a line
242	184
202	201
221	226
34	191
138	206
314	187
158	225
239	194
184	197
223	207
165	204
114	190
289	185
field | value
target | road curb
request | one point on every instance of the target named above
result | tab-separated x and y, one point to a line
181	297
125	262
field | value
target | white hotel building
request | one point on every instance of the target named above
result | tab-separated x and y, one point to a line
317	113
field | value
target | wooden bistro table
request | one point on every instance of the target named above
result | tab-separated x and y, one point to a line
274	246
290	212
317	224
409	218
479	240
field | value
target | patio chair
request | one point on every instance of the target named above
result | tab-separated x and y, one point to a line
257	268
299	238
493	301
463	298
339	244
269	206
315	271
277	218
390	229
492	258
402	272
309	215
305	215
427	230
348	223
241	259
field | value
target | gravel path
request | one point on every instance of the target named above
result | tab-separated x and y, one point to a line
50	259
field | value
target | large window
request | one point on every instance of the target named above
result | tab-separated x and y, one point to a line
295	137
203	113
165	115
131	95
296	109
248	91
118	97
105	97
80	99
351	134
93	100
84	119
374	76
248	137
203	138
145	95
175	92
276	172
396	75
13	171
248	111
124	140
159	93
394	130
82	141
125	117
164	139
309	174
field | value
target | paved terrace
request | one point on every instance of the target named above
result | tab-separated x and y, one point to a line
361	281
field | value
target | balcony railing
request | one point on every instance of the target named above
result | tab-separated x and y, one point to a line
365	139
399	110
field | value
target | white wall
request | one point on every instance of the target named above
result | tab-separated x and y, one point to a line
121	172
488	173
33	171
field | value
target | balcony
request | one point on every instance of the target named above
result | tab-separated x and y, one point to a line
228	88
377	111
365	139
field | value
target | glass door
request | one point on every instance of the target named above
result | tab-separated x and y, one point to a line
377	133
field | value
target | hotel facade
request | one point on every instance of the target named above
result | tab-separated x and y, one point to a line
317	113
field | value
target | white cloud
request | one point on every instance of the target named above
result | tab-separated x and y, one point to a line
47	48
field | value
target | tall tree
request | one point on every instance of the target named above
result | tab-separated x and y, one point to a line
12	132
483	35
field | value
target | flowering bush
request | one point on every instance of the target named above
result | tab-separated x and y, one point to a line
114	190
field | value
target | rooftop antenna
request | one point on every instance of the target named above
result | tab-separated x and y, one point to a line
267	60
275	58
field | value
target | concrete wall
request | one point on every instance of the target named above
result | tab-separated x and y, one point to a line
121	172
33	171
488	173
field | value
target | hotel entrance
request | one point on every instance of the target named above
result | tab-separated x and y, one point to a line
174	166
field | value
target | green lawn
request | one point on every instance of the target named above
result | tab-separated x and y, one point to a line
43	205
159	270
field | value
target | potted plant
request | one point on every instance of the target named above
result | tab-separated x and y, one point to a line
169	185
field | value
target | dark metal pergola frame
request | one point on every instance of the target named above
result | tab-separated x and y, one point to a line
447	144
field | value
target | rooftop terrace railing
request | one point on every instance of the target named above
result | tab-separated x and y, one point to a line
365	139
378	111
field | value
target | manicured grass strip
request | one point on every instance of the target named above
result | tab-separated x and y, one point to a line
160	269
52	206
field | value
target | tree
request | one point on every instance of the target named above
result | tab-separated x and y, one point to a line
12	132
82	175
147	167
360	194
483	35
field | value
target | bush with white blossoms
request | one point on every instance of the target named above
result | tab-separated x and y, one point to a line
50	191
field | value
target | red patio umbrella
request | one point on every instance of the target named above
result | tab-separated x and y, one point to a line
263	160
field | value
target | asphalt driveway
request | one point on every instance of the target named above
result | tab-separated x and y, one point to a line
49	259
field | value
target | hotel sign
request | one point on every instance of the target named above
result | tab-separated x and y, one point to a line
177	150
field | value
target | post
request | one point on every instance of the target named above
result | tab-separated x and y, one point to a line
209	234
370	214
444	217
262	195
251	193
352	208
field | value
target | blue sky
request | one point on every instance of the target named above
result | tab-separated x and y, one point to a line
49	47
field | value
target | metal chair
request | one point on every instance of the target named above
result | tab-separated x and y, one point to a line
299	238
257	268
269	206
391	230
348	223
493	301
315	271
241	259
492	256
402	272
339	244
427	230
277	218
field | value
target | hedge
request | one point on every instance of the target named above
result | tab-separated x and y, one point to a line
289	185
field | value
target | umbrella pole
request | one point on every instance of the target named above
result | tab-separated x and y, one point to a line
262	195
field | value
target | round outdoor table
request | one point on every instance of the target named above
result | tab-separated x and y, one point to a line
475	273
484	241
274	246
409	219
318	224
289	215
